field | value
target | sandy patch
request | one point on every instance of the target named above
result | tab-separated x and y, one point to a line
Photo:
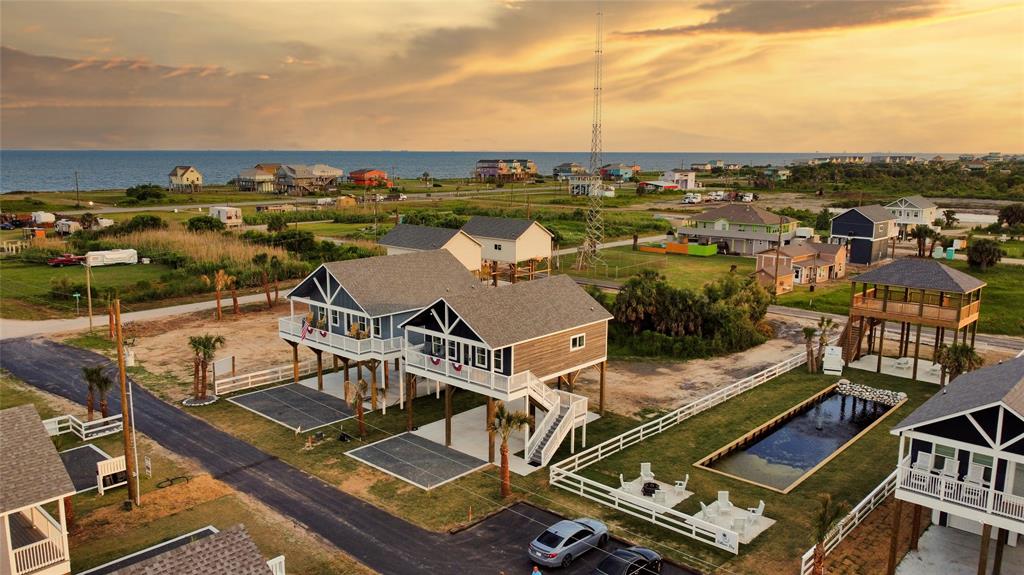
642	387
360	481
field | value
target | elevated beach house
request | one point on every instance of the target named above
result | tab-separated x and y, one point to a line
961	457
739	229
184	179
34	542
408	238
566	170
255	180
685	179
912	211
356	307
511	247
499	170
508	343
801	263
867	232
369	178
300	179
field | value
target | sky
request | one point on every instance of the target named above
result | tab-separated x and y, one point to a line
711	75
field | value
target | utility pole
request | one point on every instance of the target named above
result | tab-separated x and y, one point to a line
778	250
78	204
88	290
127	419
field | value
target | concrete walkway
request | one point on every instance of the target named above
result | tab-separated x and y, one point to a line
953	552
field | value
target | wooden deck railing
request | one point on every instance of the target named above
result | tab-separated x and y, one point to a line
974	496
82	429
45	552
473	377
947	312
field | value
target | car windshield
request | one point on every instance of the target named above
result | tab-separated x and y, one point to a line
613	565
549	539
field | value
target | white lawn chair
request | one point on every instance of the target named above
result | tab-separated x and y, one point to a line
622	482
739	525
705	513
757	511
935	369
923	463
724	505
976	475
681	485
645	472
903	363
950	469
659	497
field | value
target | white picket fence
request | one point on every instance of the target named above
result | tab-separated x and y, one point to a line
277	565
83	429
562	473
222	385
855	517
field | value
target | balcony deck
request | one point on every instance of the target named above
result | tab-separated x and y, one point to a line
949	314
293	328
503	387
37	542
1001	508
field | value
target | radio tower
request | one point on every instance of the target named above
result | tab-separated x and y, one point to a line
591	183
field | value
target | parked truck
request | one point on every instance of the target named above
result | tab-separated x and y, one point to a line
112	257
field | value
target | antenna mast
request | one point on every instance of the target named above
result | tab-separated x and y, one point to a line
591	183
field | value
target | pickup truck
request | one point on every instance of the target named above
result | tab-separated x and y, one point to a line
65	260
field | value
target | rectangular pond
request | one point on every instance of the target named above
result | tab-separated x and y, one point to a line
783	452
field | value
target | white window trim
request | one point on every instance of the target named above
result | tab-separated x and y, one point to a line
480	356
376	323
572	340
335	317
499	360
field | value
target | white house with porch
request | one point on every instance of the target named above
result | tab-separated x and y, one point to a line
962	458
913	211
507	343
33	478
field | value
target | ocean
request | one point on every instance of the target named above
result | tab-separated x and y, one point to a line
54	170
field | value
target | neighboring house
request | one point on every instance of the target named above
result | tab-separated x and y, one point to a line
913	211
778	174
369	178
961	457
356	306
717	164
276	208
267	167
802	263
185	179
867	231
345	201
685	179
505	170
564	171
738	228
228	552
977	165
701	166
506	343
34	478
254	180
406	238
509	242
894	159
232	217
656	186
300	179
616	172
733	167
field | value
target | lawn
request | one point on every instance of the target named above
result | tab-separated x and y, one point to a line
1013	248
680	271
31	201
848	477
346	231
1000	299
25	287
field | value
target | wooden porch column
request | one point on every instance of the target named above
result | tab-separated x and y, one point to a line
387	380
396	364
447	415
410	395
997	563
335	361
571	380
600	397
974	331
917	350
895	541
490	432
881	342
348	378
319	369
373	364
915	527
295	362
986	536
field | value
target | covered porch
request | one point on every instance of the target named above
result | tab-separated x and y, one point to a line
38	542
900	367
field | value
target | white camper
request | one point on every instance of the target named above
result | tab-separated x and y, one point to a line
111	257
66	227
43	218
104	223
231	217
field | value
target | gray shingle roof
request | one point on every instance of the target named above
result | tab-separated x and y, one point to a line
30	470
229	552
874	212
921	273
919	201
741	214
511	314
499	228
417	237
1003	382
384	285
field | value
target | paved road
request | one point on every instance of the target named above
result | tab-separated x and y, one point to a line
382	541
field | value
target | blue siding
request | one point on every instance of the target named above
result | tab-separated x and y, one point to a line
852	223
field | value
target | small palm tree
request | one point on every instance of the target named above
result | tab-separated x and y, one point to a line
220	281
204	348
955	360
358	397
809	333
103	386
503	424
261	261
91	375
233	286
276	269
829	513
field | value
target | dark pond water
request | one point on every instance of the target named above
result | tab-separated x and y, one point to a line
781	457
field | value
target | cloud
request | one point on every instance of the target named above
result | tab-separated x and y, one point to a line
783	16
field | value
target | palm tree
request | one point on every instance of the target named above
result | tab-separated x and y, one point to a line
205	349
88	221
937	239
504	423
220	280
91	375
825	328
233	286
358	397
922	234
956	359
828	514
276	267
103	385
261	261
984	253
809	333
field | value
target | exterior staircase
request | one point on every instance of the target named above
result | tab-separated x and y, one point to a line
849	338
564	412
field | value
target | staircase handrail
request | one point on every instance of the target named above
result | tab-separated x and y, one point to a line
540	431
551	446
547	397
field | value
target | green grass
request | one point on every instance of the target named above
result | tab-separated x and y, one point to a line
25	287
66	200
1000	299
679	270
346	231
1013	248
848	477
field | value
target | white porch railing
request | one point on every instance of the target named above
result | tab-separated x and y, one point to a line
970	495
855	517
295	327
429	366
277	565
222	385
83	429
43	553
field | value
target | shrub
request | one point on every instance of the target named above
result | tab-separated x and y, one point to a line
145	193
983	254
204	224
276	223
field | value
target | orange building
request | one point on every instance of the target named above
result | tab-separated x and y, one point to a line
370	177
